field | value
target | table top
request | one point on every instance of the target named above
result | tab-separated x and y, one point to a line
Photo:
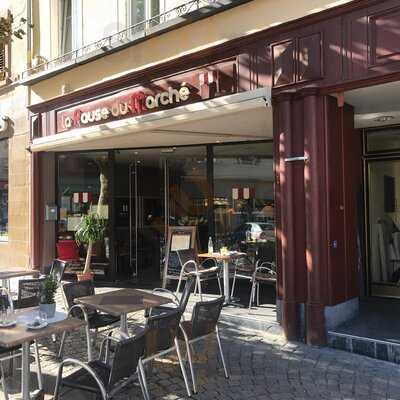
18	334
123	301
14	272
222	257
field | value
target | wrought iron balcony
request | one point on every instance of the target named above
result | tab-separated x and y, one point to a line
168	20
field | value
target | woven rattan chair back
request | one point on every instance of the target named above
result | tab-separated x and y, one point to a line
126	357
74	290
205	316
162	331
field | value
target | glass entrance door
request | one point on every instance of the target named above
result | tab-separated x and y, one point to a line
147	217
139	214
383	212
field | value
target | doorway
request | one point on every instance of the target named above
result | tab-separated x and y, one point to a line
139	215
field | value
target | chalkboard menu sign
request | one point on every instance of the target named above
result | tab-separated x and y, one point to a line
179	238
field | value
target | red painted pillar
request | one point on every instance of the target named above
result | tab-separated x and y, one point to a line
315	120
288	142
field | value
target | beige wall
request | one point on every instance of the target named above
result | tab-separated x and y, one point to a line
239	21
13	102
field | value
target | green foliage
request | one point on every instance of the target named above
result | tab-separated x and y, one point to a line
8	30
90	229
49	290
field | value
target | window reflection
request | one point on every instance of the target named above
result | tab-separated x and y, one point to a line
83	182
243	195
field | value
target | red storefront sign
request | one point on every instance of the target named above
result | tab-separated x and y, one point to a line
159	95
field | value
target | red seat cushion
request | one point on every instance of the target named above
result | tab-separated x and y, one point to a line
67	250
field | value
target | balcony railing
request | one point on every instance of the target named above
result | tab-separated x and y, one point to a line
127	36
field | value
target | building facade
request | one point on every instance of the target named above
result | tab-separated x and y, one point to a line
234	116
14	140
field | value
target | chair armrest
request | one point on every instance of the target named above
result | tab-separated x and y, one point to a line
175	299
105	347
83	310
261	267
86	367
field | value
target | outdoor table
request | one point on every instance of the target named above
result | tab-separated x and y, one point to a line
7	274
225	258
119	303
20	335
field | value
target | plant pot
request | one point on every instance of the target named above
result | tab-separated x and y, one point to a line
49	309
85	277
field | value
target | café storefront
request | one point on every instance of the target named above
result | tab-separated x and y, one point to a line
255	134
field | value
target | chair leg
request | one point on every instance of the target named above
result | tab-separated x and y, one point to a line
251	294
199	286
195	287
233	284
3	381
61	349
221	352
179	282
189	355
219	284
38	366
142	381
178	352
89	344
58	382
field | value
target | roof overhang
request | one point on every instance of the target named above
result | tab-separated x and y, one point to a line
237	117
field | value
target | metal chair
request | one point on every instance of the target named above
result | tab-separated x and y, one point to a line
202	272
94	319
102	377
178	304
244	269
57	270
204	323
29	292
161	339
14	352
263	273
265	270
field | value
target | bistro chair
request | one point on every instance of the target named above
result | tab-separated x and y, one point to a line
177	304
14	352
104	378
161	339
203	324
29	292
244	269
94	319
264	272
202	272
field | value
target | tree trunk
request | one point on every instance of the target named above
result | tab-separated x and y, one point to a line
88	258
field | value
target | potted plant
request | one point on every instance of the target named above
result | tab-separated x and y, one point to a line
47	300
90	230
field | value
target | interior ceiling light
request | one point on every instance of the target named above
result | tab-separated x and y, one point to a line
384	118
168	150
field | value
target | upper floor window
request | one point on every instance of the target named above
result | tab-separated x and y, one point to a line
83	22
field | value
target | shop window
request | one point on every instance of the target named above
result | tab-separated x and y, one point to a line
3	190
83	181
382	140
244	196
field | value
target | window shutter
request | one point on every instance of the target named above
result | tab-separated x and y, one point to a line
2	62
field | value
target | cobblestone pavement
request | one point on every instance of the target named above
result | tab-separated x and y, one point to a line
261	367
